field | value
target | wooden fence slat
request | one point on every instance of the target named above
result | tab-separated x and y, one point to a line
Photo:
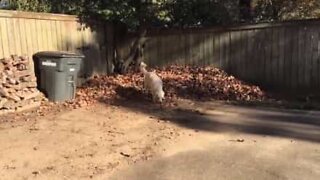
216	49
88	64
174	54
263	58
260	56
101	40
248	60
281	56
205	49
241	42
34	35
246	50
158	44
301	56
83	72
50	43
181	45
16	27
245	54
53	29
308	60
233	50
185	48
275	57
226	51
215	57
165	56
268	53
1	40
59	35
39	35
44	34
65	36
295	59
161	57
221	51
191	49
288	57
253	65
99	36
237	70
23	35
318	60
201	50
252	68
4	35
151	49
29	38
74	40
314	58
11	38
222	47
210	49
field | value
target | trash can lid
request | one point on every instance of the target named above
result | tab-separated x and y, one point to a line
59	54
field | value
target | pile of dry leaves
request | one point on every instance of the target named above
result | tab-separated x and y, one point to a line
179	82
205	83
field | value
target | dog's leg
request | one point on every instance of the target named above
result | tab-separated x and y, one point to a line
145	88
144	84
154	98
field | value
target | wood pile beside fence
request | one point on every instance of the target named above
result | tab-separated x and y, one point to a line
18	85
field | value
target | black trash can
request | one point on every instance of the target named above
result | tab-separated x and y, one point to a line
57	74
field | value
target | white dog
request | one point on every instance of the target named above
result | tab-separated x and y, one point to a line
153	83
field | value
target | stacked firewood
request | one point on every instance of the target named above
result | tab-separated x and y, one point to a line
18	85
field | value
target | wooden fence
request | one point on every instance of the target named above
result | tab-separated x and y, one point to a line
25	33
280	56
284	56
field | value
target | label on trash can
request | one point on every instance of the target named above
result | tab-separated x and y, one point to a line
49	63
72	69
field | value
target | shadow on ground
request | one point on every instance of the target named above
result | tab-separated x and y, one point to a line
212	117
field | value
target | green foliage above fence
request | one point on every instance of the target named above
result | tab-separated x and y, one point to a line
177	13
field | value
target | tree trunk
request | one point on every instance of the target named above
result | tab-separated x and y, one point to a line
134	57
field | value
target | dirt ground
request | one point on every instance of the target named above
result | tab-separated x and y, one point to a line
128	140
81	144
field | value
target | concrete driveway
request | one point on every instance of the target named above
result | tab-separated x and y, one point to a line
237	143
